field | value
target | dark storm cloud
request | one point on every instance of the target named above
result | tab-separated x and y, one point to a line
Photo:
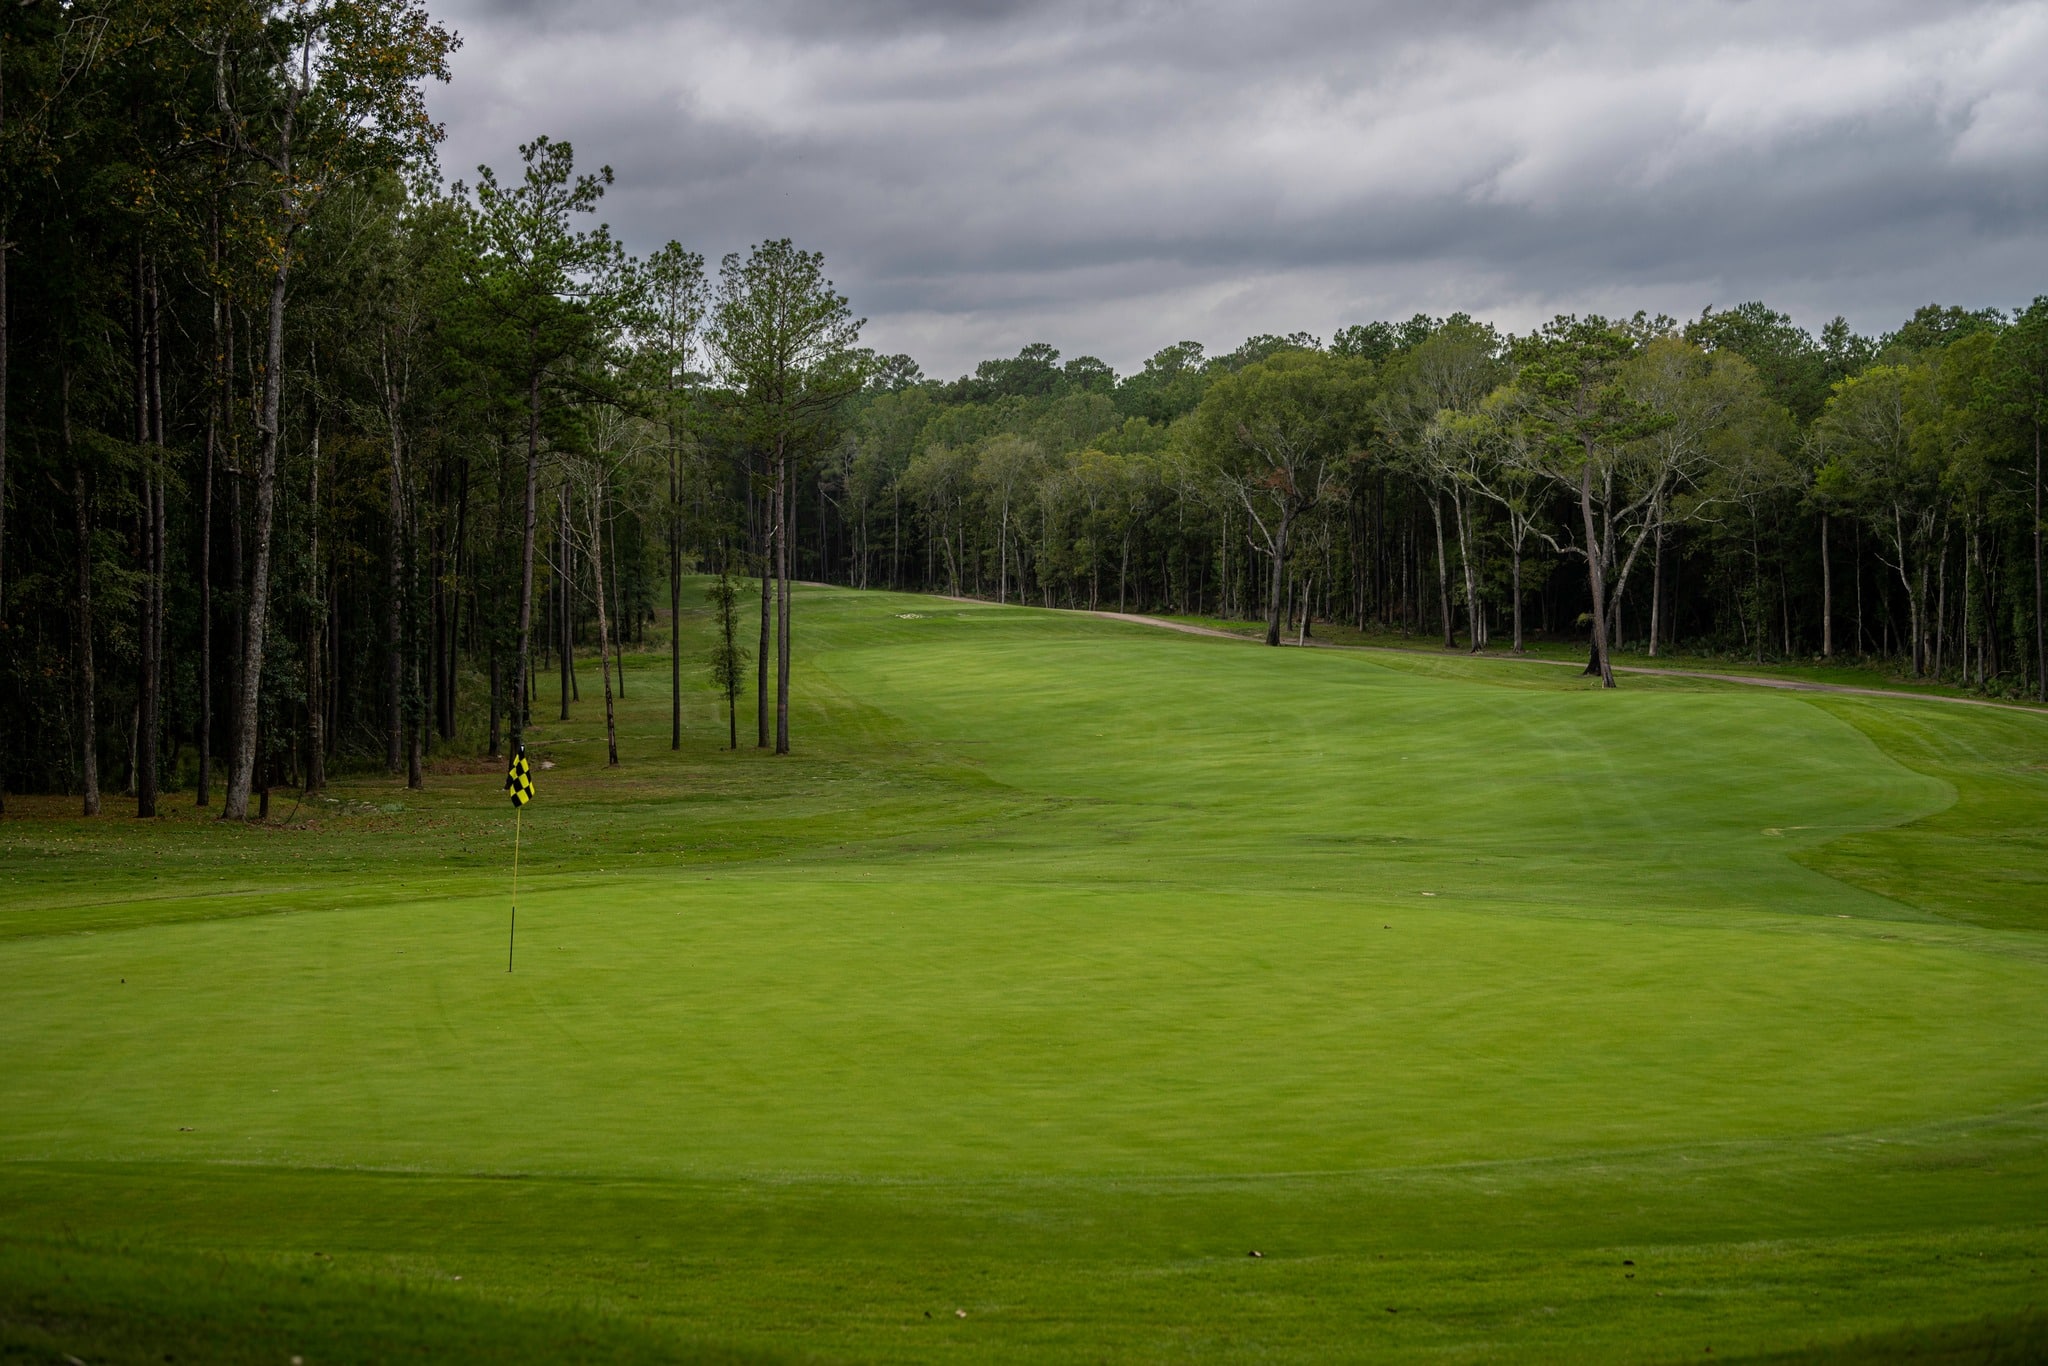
1113	176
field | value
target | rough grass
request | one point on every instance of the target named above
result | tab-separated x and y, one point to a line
1066	964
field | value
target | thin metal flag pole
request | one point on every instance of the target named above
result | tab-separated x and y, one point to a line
519	787
512	933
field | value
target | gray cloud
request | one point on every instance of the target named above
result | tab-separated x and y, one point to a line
1110	177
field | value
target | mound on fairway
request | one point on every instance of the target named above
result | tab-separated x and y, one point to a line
1067	963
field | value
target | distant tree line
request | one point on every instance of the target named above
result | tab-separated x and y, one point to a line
310	459
1735	485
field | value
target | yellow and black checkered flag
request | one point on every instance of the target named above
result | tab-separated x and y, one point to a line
519	779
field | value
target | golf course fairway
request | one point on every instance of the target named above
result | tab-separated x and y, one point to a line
1076	990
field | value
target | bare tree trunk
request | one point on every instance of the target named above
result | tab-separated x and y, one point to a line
316	711
1827	595
1596	578
2040	627
395	604
88	724
785	490
595	517
142	751
675	602
1474	619
1516	571
565	639
621	613
1276	590
764	537
216	414
1443	573
522	662
1657	588
242	775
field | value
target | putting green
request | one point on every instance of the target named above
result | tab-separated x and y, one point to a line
1064	962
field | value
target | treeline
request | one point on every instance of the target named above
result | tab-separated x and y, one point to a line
310	459
1733	485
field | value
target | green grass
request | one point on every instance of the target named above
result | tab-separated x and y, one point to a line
1066	963
1842	671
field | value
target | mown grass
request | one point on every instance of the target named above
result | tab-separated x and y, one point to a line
1065	965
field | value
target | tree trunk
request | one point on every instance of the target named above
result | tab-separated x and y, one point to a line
1516	572
565	640
1657	588
88	724
620	611
1475	622
1276	592
785	490
591	512
675	602
1443	573
1827	595
256	619
1596	578
316	712
521	662
2040	627
764	538
395	604
216	414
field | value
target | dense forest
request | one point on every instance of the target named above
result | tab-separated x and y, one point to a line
312	460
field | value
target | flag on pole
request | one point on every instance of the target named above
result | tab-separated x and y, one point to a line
519	779
519	787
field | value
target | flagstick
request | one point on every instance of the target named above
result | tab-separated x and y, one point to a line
518	813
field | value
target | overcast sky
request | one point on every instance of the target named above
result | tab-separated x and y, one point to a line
1110	177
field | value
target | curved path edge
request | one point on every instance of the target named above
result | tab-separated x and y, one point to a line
1750	680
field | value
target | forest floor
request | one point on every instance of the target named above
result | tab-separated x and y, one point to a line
1077	990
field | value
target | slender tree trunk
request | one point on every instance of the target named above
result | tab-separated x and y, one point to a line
2040	624
1596	577
1276	590
1516	571
242	775
675	602
456	570
621	612
316	711
1827	594
784	497
565	642
1657	588
82	670
591	511
1443	573
1474	620
523	660
395	604
147	697
216	414
764	537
